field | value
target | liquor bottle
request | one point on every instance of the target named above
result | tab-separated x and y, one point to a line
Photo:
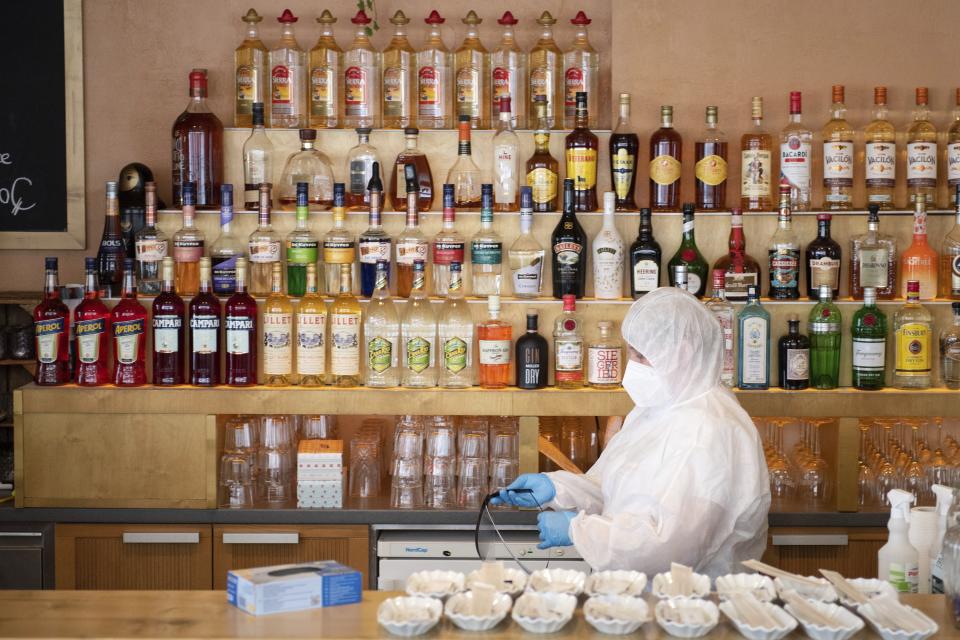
724	313
151	246
240	318
950	351
953	152
880	154
168	339
508	73
710	170
795	158
326	76
605	358
950	257
418	334
912	331
531	354
568	346
793	350
581	73
837	156
346	318
753	361
227	248
666	147
756	163
205	314
308	165
339	244
434	79
546	77
919	261
784	253
399	69
526	254
411	245
381	331
688	254
506	162
455	329
111	253
188	244
288	78
398	181
740	268
263	248
375	244
543	170
569	244
128	321
360	161
472	75
607	255
645	257
873	260
251	72
921	153
494	342
868	334
197	138
302	247
464	174
447	246
486	249
91	326
277	332
311	333
581	150
257	161
822	258
624	149
825	336
51	324
361	78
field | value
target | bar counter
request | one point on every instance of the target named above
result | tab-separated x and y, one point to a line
206	614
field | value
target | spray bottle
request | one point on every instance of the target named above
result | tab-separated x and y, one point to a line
898	560
945	504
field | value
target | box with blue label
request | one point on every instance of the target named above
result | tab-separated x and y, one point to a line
293	587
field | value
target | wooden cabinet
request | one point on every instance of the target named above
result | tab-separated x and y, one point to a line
804	550
243	546
107	556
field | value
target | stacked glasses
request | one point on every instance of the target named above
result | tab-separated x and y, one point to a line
406	487
504	452
277	457
473	465
238	463
440	463
366	459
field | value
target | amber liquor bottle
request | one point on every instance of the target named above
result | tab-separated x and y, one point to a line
624	147
542	169
711	167
665	157
197	140
756	164
581	153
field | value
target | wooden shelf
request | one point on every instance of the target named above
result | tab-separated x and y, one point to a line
29	365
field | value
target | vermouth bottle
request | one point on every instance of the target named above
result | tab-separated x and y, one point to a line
311	331
325	76
447	246
375	244
241	333
381	334
277	333
486	250
205	315
151	245
361	78
288	78
418	335
111	253
455	335
51	324
168	332
472	75
302	247
434	79
128	321
91	326
399	83
569	244
624	148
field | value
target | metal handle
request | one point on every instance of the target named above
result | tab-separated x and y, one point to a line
811	540
161	537
261	538
20	534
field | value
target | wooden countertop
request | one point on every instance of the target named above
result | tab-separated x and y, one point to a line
206	614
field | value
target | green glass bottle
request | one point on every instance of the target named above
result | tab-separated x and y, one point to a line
689	255
868	331
302	247
825	335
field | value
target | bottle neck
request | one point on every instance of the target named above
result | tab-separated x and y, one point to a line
311	286
666	121
608	221
91	289
688	233
205	286
150	210
287	37
880	112
373	218
241	281
168	283
51	285
646	228
838	111
189	211
581	119
455	289
276	283
382	282
303	214
253	33
507	40
129	289
411	143
413	217
795	117
921	113
823	229
920	226
623	121
546	35
758	122
419	282
526	222
738	242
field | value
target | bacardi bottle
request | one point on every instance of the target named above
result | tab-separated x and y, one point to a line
568	346
288	78
399	80
251	70
311	333
447	246
418	335
198	147
277	333
151	246
455	335
188	245
913	340
241	333
526	254
361	78
375	244
486	249
645	257
532	353
880	154
741	269
838	156
325	76
302	247
227	248
753	365
128	320
51	324
581	73
795	159
205	315
508	73
666	148
91	326
868	335
434	79
605	358
168	332
494	344
794	356
569	243
411	245
381	334
607	255
784	253
546	75
263	247
624	150
472	75
921	153
724	313
111	254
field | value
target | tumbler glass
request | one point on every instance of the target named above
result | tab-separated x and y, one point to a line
236	481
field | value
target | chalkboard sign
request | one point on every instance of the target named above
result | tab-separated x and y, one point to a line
41	125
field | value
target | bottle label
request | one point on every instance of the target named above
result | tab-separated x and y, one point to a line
166	333
569	359
430	91
913	350
264	250
735	284
468	94
607	270
567	255
187	250
355	92
239	330
127	335
373	250
921	164
798	364
311	347
345	344
277	343
151	250
339	251
323	92
881	160
505	170
954	275
646	276
543	185
711	170
869	354
410	250
693	283
246	89
755	173
795	163
664	170
574	81
447	252
224	275
502	83
753	351
838	164
48	334
582	168
824	271
783	268
485	252
89	334
394	91
204	331
526	279
874	264
953	165
358	177
379	354
541	84
280	79
419	353
493	352
454	354
623	166
604	365
905	577
302	251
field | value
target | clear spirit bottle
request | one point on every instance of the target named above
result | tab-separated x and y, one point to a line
411	245
607	255
953	152
486	250
251	71
188	243
326	76
399	72
795	156
753	363
464	175
288	78
921	153
494	345
346	319
526	254
784	253
339	245
311	351
257	160
568	346
227	248
375	244
361	78
418	334
546	75
411	154
950	258
455	328
434	79
447	246
581	73
263	248
756	163
912	331
873	260
724	313
880	153
920	261
308	165
381	333
277	332
825	336
302	247
472	75
838	156
360	161
605	358
710	170
950	351
508	73
868	334
506	162
151	245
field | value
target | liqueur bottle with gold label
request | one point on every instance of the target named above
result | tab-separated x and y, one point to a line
399	70
880	154
542	168
508	74
711	168
472	76
545	74
361	78
581	154
838	156
251	72
913	340
666	146
581	72
325	76
756	163
624	146
434	79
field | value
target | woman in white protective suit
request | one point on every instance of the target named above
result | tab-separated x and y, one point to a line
685	479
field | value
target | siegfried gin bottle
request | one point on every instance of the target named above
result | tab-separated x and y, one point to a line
381	333
151	246
302	247
486	250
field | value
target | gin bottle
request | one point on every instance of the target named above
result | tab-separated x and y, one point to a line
724	313
753	364
227	248
494	342
418	335
526	254
568	346
151	245
381	333
455	346
447	246
302	245
486	250
825	337
794	356
532	354
605	358
868	335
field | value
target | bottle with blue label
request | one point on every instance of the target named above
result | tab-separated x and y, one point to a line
227	248
753	366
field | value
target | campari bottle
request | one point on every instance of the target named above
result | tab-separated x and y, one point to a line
168	313
91	322
241	333
129	320
205	316
51	323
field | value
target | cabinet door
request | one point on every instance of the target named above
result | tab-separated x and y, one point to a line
107	556
244	546
805	550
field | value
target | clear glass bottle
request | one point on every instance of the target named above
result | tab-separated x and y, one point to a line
753	360
263	248
921	153
302	247
308	165
411	245
494	346
346	319
381	333
455	329
311	352
277	332
399	85
508	73
411	154
795	156
919	261
251	71
725	315
326	76
825	337
339	245
197	141
374	244
756	163
868	335
188	244
568	346
464	175
950	351
950	257
952	152
418	334
257	160
624	151
880	154
151	245
543	170
486	250
360	161
546	75
607	254
227	248
581	72
912	331
526	254
837	156
506	162
605	358
288	78
784	253
710	169
361	78
434	79
873	260
447	246
472	75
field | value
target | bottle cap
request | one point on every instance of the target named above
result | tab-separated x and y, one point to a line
308	134
838	93
825	291
752	292
921	95
869	295
434	18
50	264
251	17
486	188
581	99
719	279
471	18
258	113
824	217
198	79
792	317
463	118
226	195
913	286
784	188
879	95
624	98
756	107
644	212
568	184
581	19
326	17
712	114
399	19
111	188
689	209
532	317
666	111
526	197
956	308
795	102
363	131
361	18
90	263
873	213
411	131
374	184
507	19
569	302
287	17
546	20
504	104
448	196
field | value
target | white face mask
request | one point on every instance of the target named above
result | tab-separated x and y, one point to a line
643	385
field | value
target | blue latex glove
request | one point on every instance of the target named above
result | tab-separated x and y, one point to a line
555	528
539	483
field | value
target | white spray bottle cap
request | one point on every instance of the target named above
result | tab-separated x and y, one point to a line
900	502
944	496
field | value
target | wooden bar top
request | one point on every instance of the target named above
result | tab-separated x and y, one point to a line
206	614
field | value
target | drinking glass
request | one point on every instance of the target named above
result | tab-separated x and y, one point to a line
472	488
473	446
316	427
240	434
504	446
439	482
276	476
236	481
277	432
406	487
364	473
573	441
502	473
408	445
550	431
441	441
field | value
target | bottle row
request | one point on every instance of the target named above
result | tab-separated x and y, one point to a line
328	87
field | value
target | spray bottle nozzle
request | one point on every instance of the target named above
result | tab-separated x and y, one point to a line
900	502
944	496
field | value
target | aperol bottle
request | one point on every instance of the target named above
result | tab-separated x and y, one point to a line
91	322
129	321
51	323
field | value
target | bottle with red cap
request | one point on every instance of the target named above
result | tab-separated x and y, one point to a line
795	157
197	143
399	70
471	64
434	79
361	78
546	79
508	74
581	72
288	78
568	346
